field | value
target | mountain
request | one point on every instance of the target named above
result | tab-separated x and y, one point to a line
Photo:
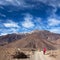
37	39
10	43
10	38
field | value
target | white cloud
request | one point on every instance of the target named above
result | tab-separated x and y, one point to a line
53	22
55	30
9	27
13	2
28	21
1	7
38	22
3	34
3	2
38	19
28	24
10	24
4	31
14	30
18	3
24	4
2	15
54	3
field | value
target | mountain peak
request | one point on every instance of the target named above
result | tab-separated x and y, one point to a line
40	31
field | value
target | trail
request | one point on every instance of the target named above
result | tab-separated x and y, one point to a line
38	56
44	57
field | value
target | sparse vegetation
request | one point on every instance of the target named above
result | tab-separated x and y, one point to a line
20	55
53	55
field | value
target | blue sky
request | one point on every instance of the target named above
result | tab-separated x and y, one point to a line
21	16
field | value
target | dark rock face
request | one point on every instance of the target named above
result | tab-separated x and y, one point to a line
10	38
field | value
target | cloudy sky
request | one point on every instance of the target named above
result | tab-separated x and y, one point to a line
27	15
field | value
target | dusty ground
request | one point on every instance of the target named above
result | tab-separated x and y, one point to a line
54	54
6	54
38	56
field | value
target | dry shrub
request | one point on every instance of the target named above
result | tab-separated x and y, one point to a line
52	55
20	55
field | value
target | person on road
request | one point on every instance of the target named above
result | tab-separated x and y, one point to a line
44	50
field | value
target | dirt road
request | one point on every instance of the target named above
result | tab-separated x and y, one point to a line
38	56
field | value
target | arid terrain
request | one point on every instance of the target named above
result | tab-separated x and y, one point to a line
31	44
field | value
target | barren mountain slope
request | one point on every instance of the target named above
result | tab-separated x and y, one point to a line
37	39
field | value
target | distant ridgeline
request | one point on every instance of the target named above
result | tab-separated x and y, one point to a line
35	39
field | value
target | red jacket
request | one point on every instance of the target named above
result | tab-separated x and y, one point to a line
44	49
